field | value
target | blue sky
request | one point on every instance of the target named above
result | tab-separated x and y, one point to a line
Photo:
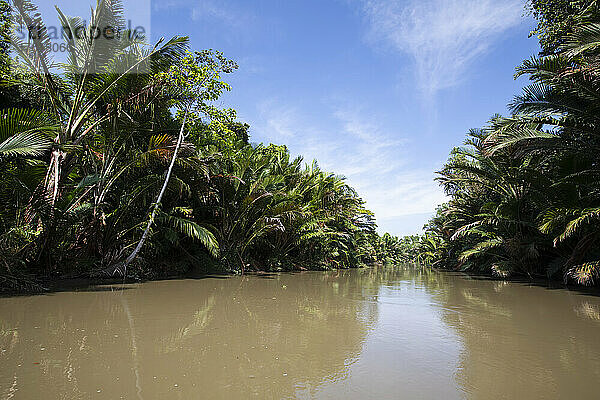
376	90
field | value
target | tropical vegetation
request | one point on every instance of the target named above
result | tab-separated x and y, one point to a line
118	162
524	191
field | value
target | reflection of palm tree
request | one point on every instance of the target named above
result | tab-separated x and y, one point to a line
191	332
529	339
134	347
200	321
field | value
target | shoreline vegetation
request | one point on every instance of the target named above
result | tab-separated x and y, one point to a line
119	163
524	191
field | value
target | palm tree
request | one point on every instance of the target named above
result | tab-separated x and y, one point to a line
87	98
122	157
557	116
493	208
97	71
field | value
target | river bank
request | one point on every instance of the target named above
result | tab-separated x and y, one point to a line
25	285
57	284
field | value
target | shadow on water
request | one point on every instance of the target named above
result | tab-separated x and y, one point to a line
102	285
80	287
529	282
116	284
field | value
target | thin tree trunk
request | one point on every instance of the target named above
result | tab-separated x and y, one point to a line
48	188
137	249
47	191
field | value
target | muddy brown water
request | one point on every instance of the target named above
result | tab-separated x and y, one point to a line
384	333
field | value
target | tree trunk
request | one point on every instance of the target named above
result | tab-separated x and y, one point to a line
48	189
53	176
137	249
44	198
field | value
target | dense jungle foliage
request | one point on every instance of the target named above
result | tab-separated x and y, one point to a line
119	162
524	191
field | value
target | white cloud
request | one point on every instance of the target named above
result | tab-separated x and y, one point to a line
280	122
374	161
443	37
212	10
208	9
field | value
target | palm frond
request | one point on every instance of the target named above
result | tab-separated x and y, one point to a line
192	230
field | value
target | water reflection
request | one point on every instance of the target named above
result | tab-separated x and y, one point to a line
388	333
519	340
216	338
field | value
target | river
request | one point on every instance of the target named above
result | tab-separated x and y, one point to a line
381	333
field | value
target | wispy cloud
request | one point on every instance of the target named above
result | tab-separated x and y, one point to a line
443	37
210	10
375	161
278	121
219	10
167	4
